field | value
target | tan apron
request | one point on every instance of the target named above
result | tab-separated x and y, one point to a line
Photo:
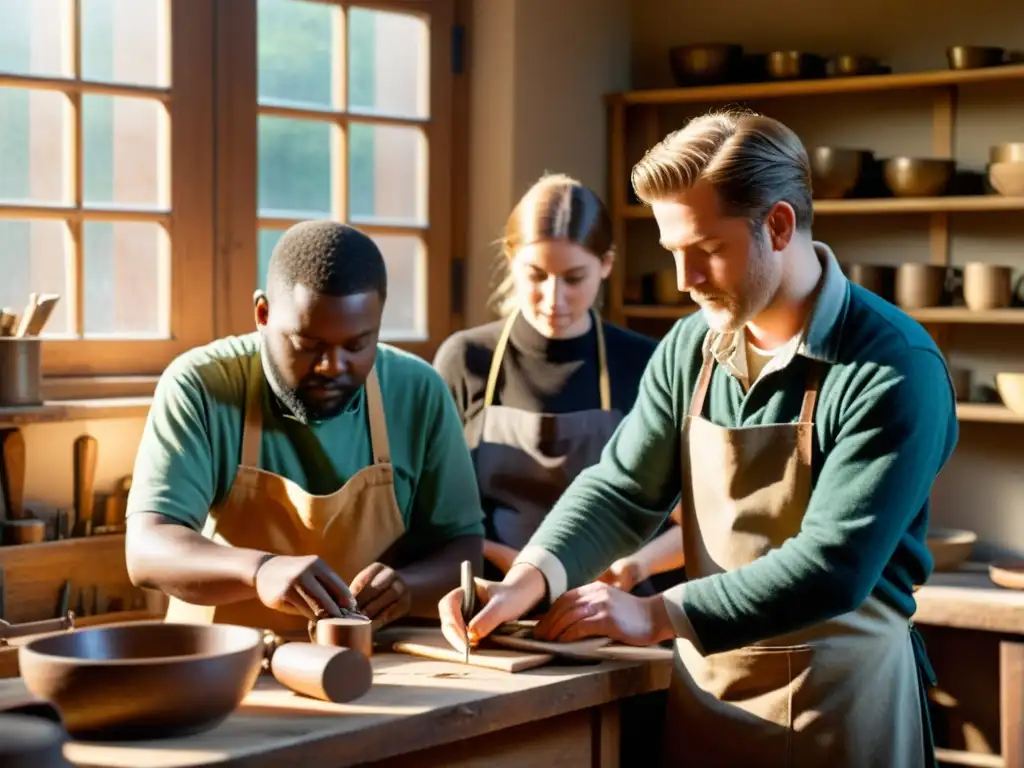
525	460
349	529
845	693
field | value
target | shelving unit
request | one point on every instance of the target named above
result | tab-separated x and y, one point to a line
943	87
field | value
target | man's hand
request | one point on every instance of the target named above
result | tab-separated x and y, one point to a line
501	601
303	585
600	610
625	573
381	594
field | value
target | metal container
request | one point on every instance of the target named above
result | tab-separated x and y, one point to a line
975	56
918	176
705	63
21	372
835	171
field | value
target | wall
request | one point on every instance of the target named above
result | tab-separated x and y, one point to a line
982	487
536	105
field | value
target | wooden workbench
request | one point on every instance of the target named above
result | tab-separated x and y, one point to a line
968	600
422	713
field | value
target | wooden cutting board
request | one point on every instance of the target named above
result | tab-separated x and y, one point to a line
580	649
429	643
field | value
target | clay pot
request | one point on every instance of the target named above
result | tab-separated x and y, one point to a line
877	278
321	672
920	285
354	633
987	286
1011	390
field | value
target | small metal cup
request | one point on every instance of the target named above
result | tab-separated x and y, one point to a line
21	372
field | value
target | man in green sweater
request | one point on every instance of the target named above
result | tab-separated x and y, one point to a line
804	420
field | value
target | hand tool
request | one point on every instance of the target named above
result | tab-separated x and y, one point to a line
468	599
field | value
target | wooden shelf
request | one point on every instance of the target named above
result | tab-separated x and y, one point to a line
990	413
935	315
890	205
76	410
837	85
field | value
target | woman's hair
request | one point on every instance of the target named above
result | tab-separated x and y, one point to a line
752	161
556	207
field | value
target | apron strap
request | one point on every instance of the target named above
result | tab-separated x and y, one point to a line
811	392
604	380
378	422
252	419
703	380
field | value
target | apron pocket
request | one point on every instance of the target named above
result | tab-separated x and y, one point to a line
735	708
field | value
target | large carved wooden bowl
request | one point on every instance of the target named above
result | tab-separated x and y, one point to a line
143	679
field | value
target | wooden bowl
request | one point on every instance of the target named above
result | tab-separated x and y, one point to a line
950	547
1007	178
142	680
917	176
1010	387
1007	573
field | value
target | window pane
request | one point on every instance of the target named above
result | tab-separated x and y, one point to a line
295	49
125	144
295	162
127	269
388	65
33	258
405	309
267	241
126	41
35	37
387	174
33	152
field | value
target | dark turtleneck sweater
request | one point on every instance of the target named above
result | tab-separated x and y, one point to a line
540	374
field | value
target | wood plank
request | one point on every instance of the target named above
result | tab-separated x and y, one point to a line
987	412
1011	703
427	703
836	85
429	643
971	759
77	410
968	599
952	315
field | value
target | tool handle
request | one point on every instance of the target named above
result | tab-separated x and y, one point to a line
468	591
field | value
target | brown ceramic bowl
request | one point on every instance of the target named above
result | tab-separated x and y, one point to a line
792	65
835	171
1007	152
917	176
1011	390
974	56
950	547
705	63
146	679
850	64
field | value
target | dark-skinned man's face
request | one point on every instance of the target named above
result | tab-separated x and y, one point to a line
319	348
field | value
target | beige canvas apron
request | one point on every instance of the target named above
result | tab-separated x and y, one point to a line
349	529
525	460
844	693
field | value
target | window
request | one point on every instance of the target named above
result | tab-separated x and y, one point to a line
347	117
106	184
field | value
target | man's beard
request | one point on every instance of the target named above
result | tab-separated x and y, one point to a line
291	397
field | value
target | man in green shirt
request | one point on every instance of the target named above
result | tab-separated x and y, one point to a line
804	420
332	465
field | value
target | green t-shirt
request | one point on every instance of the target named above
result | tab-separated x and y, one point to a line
191	445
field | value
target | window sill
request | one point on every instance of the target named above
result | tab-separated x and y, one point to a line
76	410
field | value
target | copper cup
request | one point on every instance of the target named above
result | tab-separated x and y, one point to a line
350	632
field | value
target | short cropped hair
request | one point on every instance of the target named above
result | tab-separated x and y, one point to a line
752	162
327	258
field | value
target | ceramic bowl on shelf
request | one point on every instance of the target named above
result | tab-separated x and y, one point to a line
705	63
975	56
950	547
835	171
1010	387
917	176
1007	178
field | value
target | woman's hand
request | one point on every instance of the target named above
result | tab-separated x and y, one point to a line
501	601
600	610
625	573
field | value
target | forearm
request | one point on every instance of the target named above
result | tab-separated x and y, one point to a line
164	555
432	577
664	553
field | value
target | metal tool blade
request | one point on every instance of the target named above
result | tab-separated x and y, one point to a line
468	600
